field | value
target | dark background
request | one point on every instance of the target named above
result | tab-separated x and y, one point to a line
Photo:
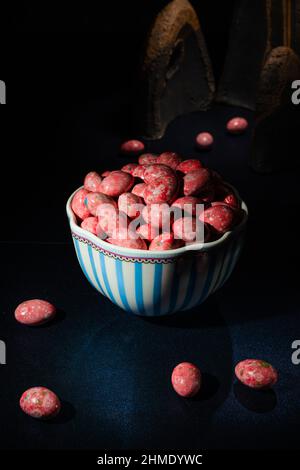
71	75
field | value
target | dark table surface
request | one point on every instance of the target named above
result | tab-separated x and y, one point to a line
112	370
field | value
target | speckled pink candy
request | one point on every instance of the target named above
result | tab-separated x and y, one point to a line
186	379
256	373
171	159
35	312
139	171
237	125
129	168
220	217
147	159
196	181
90	224
163	189
155	171
136	244
185	228
40	403
187	203
204	140
132	146
111	220
162	242
116	183
147	231
92	181
78	206
186	166
94	200
129	203
156	214
139	189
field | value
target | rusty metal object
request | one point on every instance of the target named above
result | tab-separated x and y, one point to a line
177	75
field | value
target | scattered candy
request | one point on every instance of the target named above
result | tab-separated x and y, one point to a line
92	182
35	312
186	379
204	140
237	125
132	147
40	403
256	373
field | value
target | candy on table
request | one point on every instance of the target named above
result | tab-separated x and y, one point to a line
35	312
204	140
171	159
94	200
132	147
129	168
147	159
40	403
220	217
90	224
196	181
256	373
92	182
116	183
186	379
139	189
186	166
130	204
78	206
162	242
237	125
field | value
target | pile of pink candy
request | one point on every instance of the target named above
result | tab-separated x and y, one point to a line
129	207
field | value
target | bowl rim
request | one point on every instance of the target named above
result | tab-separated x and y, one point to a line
149	254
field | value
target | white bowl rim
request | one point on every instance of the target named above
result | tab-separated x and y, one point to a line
131	253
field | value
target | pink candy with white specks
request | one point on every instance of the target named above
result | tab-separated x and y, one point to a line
237	125
204	140
186	379
40	403
132	147
35	312
256	373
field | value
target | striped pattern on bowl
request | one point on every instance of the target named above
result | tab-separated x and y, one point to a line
156	283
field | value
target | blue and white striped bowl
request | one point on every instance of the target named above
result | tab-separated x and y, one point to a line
152	283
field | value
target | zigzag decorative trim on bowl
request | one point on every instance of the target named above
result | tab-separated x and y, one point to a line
125	258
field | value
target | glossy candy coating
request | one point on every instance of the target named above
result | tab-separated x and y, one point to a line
186	379
237	125
116	183
132	147
35	312
256	373
40	403
204	140
92	182
196	181
220	217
